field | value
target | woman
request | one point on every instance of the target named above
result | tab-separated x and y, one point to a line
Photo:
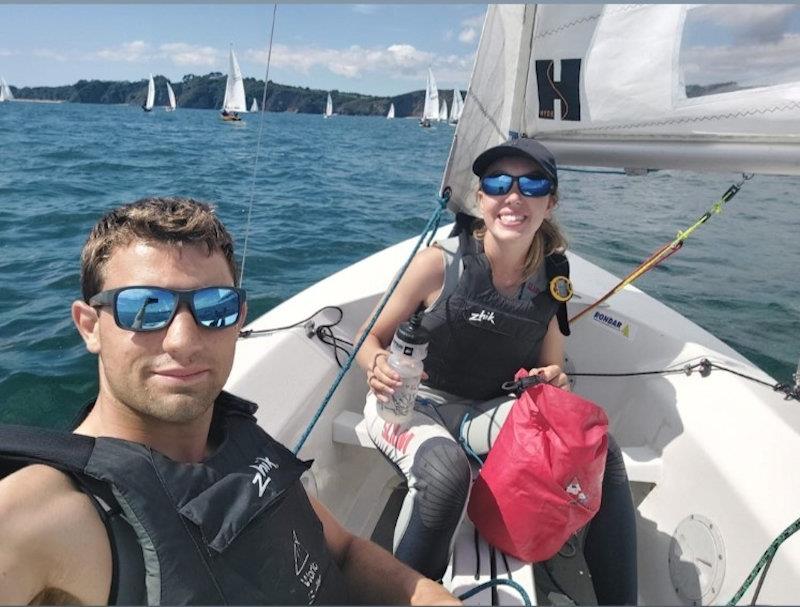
489	309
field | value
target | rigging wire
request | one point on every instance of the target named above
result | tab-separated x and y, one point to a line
258	145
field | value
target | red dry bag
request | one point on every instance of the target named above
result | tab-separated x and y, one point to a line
543	478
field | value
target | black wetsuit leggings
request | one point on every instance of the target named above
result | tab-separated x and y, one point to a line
610	545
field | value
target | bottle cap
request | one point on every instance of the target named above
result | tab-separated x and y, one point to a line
412	332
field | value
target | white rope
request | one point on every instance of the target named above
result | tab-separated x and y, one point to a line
258	146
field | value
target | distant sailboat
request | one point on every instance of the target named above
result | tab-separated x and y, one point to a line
443	111
171	96
329	107
430	112
254	105
390	115
234	102
5	91
457	107
151	95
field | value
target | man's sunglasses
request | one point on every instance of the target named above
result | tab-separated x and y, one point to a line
529	185
153	308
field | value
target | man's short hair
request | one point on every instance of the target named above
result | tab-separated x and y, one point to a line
171	220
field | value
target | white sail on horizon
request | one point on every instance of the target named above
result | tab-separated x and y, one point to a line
329	107
151	94
234	100
390	114
5	91
431	109
601	85
457	107
254	105
171	98
443	111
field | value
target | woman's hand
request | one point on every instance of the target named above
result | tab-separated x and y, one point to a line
382	379
553	375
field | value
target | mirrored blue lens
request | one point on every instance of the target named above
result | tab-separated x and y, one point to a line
495	185
144	308
216	307
534	186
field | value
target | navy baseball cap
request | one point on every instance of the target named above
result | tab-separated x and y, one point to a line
521	147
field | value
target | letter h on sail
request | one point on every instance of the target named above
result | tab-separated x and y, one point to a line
566	90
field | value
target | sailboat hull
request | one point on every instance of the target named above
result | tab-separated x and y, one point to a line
707	504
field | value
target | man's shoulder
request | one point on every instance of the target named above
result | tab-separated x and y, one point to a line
52	535
40	496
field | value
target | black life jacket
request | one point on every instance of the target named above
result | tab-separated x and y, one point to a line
237	528
479	337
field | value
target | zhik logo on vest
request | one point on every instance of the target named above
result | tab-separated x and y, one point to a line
261	479
481	316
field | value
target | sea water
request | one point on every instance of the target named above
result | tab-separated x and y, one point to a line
326	193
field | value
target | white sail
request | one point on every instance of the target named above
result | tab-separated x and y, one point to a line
443	111
329	107
151	94
234	100
431	109
171	95
603	85
457	107
391	111
254	105
5	91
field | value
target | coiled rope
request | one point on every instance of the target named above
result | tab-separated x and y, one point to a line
430	228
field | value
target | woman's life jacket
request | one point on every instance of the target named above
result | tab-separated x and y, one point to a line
479	337
237	528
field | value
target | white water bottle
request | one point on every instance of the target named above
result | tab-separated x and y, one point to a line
409	347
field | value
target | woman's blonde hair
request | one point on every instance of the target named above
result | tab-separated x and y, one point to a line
549	239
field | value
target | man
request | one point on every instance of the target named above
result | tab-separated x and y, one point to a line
153	498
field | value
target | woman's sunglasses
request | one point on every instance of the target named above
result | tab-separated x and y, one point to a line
153	308
529	185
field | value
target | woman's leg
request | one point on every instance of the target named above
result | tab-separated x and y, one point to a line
610	547
439	478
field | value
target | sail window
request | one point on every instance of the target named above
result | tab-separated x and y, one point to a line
726	48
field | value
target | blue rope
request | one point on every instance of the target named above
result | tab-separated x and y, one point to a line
480	587
433	221
464	444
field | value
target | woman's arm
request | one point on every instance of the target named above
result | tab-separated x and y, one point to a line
551	357
421	284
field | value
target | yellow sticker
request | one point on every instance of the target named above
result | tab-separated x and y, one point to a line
561	288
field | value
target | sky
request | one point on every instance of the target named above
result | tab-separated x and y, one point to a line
365	48
379	49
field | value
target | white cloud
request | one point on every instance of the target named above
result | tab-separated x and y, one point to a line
470	28
475	22
365	9
467	36
353	62
183	54
4	52
50	55
131	52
